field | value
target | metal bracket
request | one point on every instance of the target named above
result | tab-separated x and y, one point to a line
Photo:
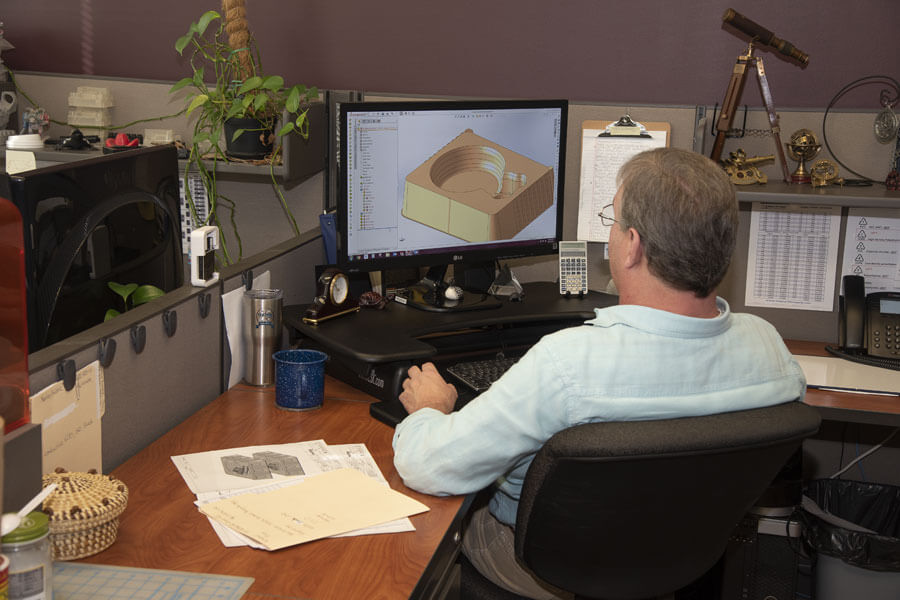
65	370
107	351
138	338
170	322
731	133
204	301
247	278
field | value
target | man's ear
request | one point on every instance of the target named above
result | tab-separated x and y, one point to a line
634	248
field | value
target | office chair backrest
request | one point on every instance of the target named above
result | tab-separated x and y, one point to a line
642	508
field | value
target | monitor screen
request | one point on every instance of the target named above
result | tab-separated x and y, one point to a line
109	218
430	183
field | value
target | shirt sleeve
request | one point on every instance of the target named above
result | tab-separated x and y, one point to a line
468	450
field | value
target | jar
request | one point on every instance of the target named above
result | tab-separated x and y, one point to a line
30	560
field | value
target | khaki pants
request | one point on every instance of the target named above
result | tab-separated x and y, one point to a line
489	546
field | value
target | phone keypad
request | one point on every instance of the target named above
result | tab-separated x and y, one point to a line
887	342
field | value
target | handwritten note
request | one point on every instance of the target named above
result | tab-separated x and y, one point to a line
601	158
70	422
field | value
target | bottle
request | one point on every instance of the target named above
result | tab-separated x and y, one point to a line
30	559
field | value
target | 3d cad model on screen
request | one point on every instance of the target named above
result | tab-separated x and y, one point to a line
477	190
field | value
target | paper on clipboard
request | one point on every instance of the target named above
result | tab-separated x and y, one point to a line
601	157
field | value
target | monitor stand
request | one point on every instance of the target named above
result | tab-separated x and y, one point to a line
428	294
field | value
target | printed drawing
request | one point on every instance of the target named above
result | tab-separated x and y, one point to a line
261	465
477	190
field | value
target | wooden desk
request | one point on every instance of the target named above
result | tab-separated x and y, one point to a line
161	528
844	406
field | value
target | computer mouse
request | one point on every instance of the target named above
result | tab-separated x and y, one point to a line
453	292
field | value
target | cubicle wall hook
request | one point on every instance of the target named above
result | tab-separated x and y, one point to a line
138	338
204	301
65	370
170	322
247	278
107	351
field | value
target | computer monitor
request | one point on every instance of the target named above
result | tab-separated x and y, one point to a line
86	223
434	183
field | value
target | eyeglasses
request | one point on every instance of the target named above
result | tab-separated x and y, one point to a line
606	220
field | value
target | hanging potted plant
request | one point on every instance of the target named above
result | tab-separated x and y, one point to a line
235	107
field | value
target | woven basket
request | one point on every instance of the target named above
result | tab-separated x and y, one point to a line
84	512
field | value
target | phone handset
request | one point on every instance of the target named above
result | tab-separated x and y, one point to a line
852	314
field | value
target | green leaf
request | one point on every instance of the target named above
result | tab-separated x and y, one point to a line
246	101
198	77
293	99
286	129
312	93
234	110
110	314
205	19
273	82
260	101
198	100
184	82
123	290
182	42
146	293
238	133
251	83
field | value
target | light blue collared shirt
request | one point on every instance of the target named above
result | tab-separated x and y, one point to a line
628	363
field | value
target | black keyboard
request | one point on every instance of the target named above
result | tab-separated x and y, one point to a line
478	375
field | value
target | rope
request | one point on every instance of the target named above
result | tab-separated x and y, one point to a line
238	30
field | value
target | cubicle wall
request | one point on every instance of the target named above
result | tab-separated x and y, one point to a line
149	392
146	392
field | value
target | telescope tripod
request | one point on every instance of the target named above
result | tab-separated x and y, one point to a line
744	63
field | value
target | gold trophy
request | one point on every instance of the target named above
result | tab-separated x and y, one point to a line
803	146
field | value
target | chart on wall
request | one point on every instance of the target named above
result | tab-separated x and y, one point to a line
791	257
872	248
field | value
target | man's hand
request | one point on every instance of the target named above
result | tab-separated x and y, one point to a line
425	388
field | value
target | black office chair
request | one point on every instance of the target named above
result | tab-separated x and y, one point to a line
641	509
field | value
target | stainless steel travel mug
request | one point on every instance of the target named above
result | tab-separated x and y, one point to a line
262	333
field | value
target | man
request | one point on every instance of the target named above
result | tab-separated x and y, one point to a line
670	348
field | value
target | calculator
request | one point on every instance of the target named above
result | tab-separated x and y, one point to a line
573	267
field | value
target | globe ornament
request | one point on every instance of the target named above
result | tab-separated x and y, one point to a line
804	146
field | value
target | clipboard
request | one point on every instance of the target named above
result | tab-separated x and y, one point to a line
626	127
606	146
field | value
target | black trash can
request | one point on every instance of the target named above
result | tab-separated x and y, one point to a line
854	529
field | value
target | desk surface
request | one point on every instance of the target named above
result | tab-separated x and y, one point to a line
161	528
846	406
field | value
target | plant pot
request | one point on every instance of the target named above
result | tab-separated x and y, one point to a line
254	143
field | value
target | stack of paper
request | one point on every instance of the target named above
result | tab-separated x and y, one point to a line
275	496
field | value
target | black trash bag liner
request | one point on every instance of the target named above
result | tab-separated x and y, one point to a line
854	521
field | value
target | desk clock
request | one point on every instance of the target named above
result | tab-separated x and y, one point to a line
332	299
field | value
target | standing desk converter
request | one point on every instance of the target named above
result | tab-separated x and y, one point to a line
372	349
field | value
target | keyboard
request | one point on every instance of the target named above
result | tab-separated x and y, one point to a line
478	375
